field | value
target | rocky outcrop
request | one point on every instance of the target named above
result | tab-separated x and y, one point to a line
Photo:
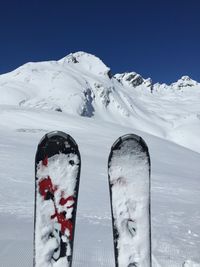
184	81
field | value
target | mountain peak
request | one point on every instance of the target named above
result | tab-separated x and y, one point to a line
130	78
86	62
184	81
186	78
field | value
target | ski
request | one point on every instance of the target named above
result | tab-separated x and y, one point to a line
57	173
129	183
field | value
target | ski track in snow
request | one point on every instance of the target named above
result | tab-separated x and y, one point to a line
41	97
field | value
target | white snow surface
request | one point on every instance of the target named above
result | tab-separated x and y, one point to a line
78	96
62	175
129	177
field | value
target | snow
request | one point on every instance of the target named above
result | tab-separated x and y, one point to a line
96	110
62	175
129	179
190	263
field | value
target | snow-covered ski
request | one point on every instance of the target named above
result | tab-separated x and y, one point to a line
57	172
129	182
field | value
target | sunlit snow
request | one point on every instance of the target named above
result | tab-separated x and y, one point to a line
79	96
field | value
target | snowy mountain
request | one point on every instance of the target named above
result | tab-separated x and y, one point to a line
79	95
81	84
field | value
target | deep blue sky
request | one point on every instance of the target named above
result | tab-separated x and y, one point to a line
158	39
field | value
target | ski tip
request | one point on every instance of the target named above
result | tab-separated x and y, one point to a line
55	142
129	136
54	134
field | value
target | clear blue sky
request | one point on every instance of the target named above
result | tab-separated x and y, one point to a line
158	39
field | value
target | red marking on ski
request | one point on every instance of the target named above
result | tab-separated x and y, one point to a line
64	201
47	189
45	161
65	223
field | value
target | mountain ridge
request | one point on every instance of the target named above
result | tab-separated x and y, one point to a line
81	84
75	57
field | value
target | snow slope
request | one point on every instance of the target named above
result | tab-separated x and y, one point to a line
78	95
80	84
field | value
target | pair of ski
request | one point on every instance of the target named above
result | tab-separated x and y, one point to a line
57	170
